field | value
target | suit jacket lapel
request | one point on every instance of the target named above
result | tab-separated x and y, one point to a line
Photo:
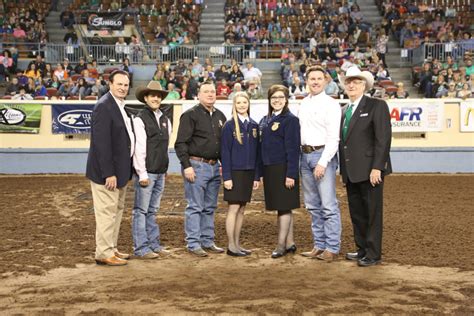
356	115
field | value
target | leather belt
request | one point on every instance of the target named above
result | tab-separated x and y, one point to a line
309	149
212	162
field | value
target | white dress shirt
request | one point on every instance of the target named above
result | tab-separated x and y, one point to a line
139	157
320	119
128	123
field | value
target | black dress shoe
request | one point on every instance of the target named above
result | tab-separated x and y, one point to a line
279	252
291	249
235	254
355	256
367	262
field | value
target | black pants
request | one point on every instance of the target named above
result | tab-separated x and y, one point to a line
366	209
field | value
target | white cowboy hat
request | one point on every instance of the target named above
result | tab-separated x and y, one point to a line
354	72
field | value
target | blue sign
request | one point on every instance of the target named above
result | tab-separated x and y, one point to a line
71	118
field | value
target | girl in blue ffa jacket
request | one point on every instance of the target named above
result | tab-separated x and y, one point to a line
239	146
280	150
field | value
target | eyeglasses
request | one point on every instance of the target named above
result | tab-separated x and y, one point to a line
278	98
356	82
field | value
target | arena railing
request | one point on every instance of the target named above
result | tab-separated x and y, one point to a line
430	51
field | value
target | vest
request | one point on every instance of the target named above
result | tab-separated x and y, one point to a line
157	141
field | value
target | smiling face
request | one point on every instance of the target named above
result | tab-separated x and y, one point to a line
119	86
316	82
241	104
278	101
354	87
153	100
207	95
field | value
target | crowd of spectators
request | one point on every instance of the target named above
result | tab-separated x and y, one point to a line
184	80
24	24
450	79
42	80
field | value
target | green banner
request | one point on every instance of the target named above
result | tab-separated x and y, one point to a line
20	118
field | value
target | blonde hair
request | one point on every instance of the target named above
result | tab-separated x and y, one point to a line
239	94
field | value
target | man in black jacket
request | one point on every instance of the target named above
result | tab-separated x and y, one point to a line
109	167
364	151
150	160
198	149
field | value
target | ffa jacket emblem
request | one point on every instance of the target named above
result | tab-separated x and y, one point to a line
275	126
254	132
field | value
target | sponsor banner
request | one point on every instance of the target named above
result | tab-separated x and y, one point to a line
20	118
420	117
105	20
76	118
467	116
71	118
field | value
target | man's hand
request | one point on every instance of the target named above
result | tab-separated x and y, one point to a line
256	184
375	177
189	174
228	184
319	172
289	183
144	183
111	183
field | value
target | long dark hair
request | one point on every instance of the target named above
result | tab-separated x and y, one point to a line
273	89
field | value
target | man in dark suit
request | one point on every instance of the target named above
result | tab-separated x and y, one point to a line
364	152
109	167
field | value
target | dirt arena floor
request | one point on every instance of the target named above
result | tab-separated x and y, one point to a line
47	267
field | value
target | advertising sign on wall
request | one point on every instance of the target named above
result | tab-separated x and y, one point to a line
20	118
466	121
71	118
419	117
105	20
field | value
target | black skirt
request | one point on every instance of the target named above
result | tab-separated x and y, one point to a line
277	196
242	185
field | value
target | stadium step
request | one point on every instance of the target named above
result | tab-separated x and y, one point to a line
53	27
211	31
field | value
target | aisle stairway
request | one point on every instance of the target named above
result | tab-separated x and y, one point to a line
211	31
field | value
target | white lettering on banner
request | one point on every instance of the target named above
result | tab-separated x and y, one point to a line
466	119
101	22
422	117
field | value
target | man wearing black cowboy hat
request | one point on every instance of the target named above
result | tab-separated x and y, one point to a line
150	160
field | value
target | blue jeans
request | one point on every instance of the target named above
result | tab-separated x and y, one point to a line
201	196
145	230
321	202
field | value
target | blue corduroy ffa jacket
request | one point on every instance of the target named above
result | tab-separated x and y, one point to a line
235	156
280	142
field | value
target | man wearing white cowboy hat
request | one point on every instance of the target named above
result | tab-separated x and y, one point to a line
364	152
150	160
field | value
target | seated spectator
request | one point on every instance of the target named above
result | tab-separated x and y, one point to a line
235	74
88	78
54	83
297	89
81	66
172	93
40	90
98	89
180	68
60	73
452	92
81	88
13	87
332	89
465	92
18	32
125	66
469	67
32	72
254	90
223	89
6	65
401	93
251	73
160	77
22	95
237	88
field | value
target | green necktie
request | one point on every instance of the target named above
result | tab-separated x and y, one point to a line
347	120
